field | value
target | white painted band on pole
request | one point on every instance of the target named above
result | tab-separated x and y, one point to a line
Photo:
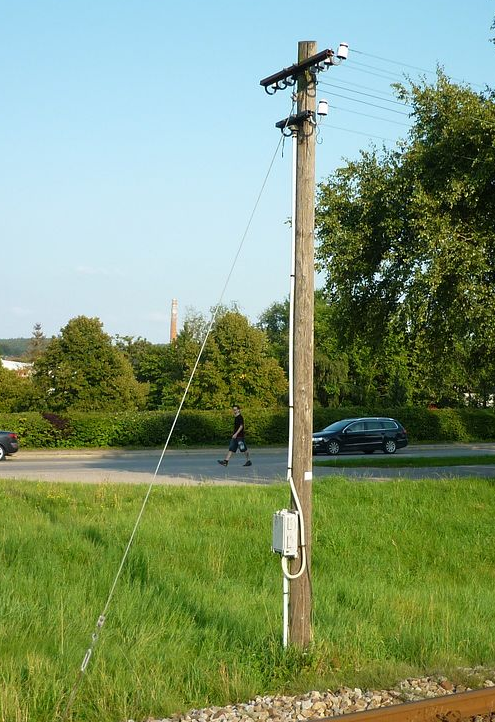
308	476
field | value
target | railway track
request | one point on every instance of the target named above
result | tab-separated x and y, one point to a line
473	706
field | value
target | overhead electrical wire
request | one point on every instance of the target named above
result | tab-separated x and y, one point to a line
394	62
376	75
390	75
385	98
360	85
358	132
373	105
413	67
362	100
368	95
374	117
371	69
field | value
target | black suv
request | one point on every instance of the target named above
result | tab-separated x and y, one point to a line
364	434
9	444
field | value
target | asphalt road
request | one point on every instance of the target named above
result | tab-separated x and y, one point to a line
199	466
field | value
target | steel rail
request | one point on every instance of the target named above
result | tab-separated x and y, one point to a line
458	707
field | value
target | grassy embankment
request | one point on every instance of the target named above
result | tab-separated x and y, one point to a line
403	582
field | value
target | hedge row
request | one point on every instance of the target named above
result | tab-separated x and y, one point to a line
193	428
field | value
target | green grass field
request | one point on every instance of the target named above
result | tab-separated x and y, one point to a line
396	462
403	580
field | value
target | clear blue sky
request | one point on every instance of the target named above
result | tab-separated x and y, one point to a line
134	139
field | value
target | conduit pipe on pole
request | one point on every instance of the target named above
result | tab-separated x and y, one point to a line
291	363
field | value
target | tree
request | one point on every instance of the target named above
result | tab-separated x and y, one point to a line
37	343
82	370
13	348
235	367
330	364
151	364
407	245
275	323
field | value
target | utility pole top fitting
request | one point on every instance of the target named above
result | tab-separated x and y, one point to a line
288	76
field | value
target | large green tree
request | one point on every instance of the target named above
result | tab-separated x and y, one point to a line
407	245
82	370
330	368
236	365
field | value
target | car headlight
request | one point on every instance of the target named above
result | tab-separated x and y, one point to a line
318	438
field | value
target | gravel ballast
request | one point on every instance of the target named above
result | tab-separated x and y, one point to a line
312	705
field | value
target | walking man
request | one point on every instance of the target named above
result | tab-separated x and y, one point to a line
237	441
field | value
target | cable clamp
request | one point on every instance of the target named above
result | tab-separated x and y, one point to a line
86	659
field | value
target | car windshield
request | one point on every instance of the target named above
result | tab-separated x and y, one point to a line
337	425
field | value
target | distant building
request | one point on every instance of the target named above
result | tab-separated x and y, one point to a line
21	368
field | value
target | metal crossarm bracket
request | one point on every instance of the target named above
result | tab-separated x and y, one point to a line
288	76
295	120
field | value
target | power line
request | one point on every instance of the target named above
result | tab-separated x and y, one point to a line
366	87
368	95
412	67
368	115
358	132
376	75
395	62
373	105
390	73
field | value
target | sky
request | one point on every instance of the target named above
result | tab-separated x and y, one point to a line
136	142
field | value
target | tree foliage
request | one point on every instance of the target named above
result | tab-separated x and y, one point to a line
407	246
82	370
37	343
15	391
275	323
330	366
235	365
13	348
151	363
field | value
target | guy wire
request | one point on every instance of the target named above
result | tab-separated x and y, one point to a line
102	617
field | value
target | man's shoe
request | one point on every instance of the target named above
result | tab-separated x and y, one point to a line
248	463
222	462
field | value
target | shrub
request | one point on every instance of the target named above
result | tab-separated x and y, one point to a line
34	431
195	428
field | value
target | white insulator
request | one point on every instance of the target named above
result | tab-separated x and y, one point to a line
322	109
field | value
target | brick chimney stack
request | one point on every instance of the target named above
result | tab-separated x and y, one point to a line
173	321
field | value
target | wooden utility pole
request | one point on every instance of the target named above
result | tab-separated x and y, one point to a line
302	126
300	631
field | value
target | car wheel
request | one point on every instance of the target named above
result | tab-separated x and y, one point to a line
333	447
2	453
390	447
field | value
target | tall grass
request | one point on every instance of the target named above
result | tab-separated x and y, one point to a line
403	578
